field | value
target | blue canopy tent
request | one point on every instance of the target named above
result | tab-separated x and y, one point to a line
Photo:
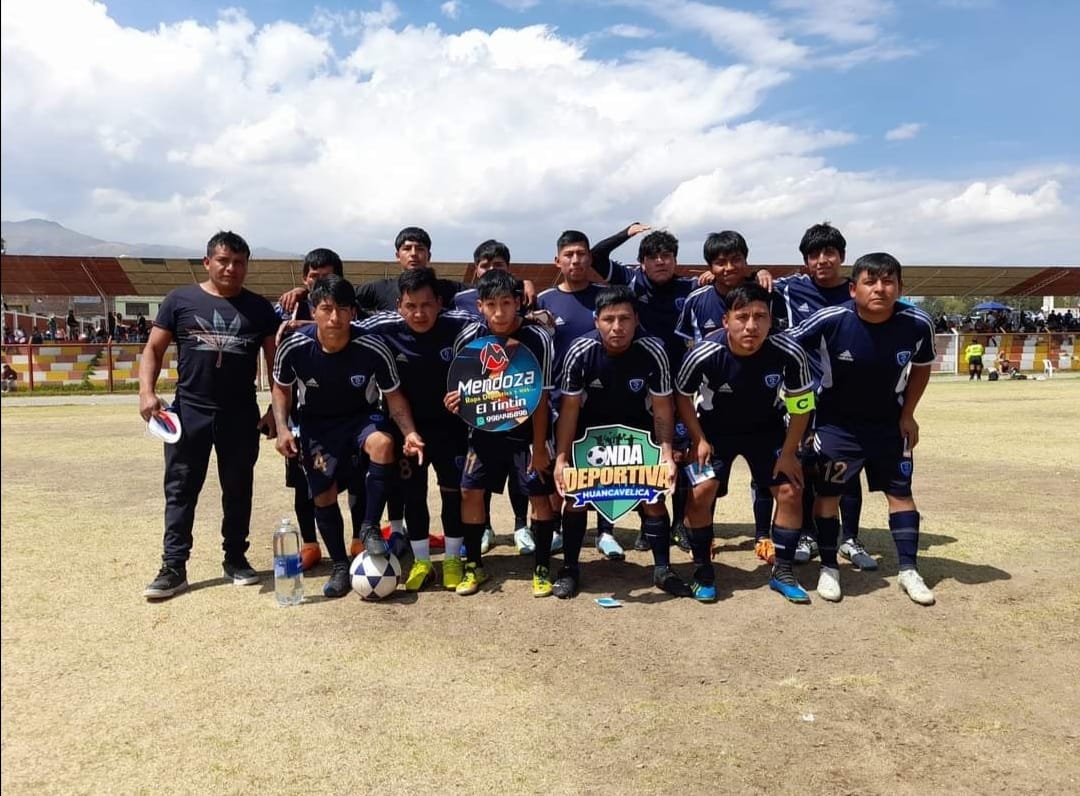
991	306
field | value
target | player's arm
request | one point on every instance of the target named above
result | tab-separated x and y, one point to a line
266	423
291	299
799	407
918	379
150	368
663	409
601	252
541	420
281	403
401	414
565	426
700	449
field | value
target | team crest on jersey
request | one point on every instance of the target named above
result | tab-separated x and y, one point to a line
905	468
357	381
772	380
680	303
447	354
636	384
376	418
493	358
680	429
903	357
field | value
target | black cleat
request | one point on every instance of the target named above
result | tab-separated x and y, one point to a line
340	582
566	585
666	580
169	581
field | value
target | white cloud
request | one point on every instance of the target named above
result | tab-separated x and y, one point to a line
451	9
844	21
518	5
904	132
629	31
169	134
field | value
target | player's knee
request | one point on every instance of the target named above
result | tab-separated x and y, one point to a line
379	447
472	498
788	496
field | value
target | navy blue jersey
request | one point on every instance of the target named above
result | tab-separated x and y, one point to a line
465	301
616	389
573	314
865	365
659	306
217	343
742	394
301	313
702	314
802	296
338	384
537	340
422	360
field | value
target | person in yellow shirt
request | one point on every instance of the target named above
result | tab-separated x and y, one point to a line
974	354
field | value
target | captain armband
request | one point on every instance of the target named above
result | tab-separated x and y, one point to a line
800	404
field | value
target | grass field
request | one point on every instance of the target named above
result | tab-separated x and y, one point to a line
218	690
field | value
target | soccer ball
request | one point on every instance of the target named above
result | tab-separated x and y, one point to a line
375	577
597	456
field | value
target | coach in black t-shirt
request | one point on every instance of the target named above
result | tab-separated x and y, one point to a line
219	328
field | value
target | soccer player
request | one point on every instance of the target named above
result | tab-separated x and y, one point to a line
703	313
876	355
733	388
571	305
520	453
421	337
616	376
973	353
340	371
219	328
488	255
823	249
317	263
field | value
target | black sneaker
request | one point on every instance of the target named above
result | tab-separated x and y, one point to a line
566	585
854	552
681	537
340	582
373	542
666	580
641	544
240	571
169	581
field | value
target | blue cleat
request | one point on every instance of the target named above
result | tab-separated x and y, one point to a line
704	592
792	592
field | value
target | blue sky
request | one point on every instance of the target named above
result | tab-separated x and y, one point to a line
942	130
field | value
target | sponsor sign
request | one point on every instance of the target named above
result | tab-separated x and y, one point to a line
500	383
614	468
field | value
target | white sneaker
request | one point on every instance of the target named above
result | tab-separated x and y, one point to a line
523	541
911	581
828	585
556	543
487	541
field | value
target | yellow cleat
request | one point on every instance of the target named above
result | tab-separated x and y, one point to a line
541	582
452	572
474	577
421	573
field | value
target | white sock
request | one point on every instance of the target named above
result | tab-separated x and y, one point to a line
420	549
453	546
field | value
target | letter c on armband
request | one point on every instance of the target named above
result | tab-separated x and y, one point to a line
800	404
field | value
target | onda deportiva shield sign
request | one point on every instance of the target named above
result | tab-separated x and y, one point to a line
613	469
500	383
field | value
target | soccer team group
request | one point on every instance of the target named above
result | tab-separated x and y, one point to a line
812	379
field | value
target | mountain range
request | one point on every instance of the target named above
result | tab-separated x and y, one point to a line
41	236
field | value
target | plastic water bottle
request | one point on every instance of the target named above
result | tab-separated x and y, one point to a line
288	579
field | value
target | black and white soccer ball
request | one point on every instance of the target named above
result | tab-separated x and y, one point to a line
597	456
375	577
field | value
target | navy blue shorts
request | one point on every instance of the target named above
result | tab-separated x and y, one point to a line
492	458
844	452
332	450
761	449
444	451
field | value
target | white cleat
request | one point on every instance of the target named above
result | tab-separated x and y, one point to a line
911	581
828	585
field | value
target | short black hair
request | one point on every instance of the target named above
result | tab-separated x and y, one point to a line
415	234
742	295
570	236
726	242
497	283
336	288
320	258
416	279
615	294
877	264
821	236
656	243
228	240
490	250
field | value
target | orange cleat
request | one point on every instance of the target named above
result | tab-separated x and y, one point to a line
356	548
765	551
310	555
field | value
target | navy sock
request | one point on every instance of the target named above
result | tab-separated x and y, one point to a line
603	525
763	506
808	511
520	504
332	527
451	513
701	547
678	502
487	509
828	529
573	531
417	516
473	533
395	500
305	515
851	508
377	485
542	531
658	531
357	504
905	533
785	540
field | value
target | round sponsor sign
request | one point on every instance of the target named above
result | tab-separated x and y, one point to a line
500	383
